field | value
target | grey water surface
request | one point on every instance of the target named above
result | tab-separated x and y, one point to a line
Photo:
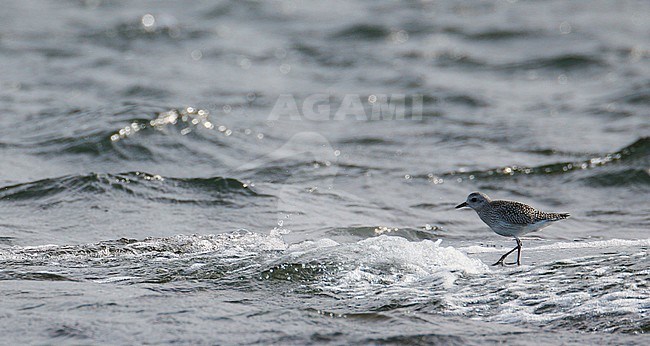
285	172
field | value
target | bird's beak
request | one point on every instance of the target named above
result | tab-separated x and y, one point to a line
464	204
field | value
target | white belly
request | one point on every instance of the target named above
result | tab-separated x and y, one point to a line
513	230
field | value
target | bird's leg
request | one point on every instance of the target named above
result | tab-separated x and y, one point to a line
518	253
500	261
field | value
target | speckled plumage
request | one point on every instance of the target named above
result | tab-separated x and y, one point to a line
510	218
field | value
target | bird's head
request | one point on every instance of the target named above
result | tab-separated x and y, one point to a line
476	201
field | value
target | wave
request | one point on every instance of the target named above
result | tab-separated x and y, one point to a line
94	140
377	275
95	144
363	32
598	244
624	167
498	34
289	261
559	62
582	293
212	190
324	57
236	244
90	137
562	62
183	121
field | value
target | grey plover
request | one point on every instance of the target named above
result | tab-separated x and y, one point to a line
510	218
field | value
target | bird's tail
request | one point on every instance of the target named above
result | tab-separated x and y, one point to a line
559	216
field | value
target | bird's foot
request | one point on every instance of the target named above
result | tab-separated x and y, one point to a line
499	262
513	263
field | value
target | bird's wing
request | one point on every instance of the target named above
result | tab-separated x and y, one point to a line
516	213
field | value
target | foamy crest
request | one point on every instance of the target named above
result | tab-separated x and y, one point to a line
587	288
234	244
392	264
599	244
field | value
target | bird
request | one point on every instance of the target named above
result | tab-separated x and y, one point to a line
510	219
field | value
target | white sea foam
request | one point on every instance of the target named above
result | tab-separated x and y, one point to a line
114	279
589	287
309	245
421	257
225	245
599	244
377	271
397	266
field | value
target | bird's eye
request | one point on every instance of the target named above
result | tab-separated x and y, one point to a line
473	199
